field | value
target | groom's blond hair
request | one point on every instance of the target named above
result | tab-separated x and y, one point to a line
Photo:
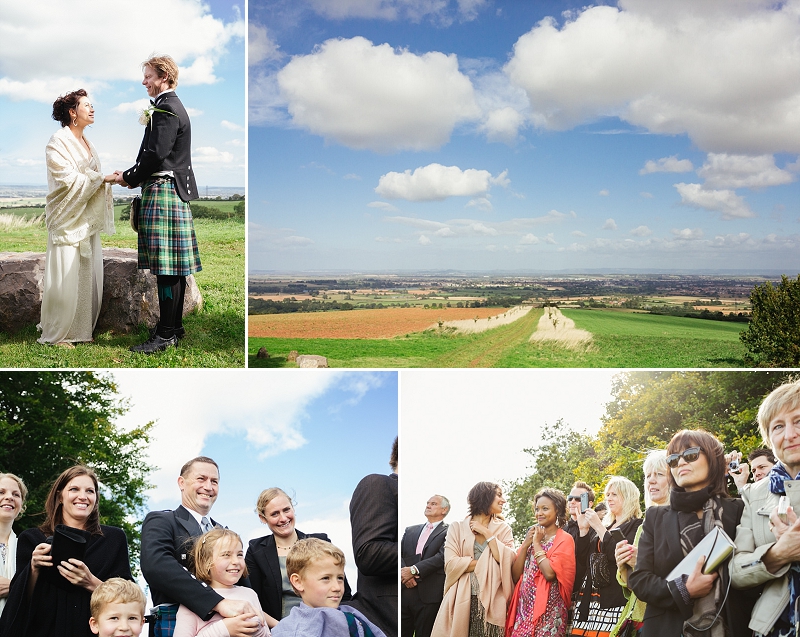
164	65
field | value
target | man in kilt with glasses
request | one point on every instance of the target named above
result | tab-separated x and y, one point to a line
163	169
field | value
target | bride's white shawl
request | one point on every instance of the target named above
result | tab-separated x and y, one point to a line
79	203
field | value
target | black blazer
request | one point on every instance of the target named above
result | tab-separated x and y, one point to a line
167	539
167	145
659	552
430	584
611	595
373	520
264	570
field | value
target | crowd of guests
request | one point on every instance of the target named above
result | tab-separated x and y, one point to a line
625	572
71	576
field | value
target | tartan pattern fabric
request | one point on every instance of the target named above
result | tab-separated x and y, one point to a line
601	620
167	243
164	619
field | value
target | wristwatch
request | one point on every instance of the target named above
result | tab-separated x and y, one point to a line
414	571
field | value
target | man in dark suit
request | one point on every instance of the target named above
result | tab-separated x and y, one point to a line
373	520
163	169
167	539
422	572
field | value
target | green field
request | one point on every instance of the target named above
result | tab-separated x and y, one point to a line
620	340
214	335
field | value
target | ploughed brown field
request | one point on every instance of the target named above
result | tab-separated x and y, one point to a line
385	323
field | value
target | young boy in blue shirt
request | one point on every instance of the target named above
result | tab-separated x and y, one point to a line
316	572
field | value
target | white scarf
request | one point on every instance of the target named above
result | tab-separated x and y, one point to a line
11	563
79	203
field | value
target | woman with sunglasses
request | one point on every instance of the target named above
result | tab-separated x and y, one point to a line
700	604
601	600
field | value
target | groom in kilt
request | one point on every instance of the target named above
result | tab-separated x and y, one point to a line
163	169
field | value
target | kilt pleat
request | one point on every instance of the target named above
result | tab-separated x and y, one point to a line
167	243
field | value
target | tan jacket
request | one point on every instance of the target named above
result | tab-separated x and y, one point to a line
753	540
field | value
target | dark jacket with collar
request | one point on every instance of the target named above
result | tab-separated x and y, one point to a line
167	145
659	552
167	540
430	585
264	571
373	520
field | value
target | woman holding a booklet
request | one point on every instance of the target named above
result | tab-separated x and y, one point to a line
700	601
50	596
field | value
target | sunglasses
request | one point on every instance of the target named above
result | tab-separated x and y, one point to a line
689	455
570	498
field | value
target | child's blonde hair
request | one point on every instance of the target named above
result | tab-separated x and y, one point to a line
203	552
304	552
116	591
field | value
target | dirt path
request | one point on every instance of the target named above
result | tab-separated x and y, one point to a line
554	326
486	348
477	325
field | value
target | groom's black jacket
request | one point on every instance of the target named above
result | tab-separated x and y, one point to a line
167	145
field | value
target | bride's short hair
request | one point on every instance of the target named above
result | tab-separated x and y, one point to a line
164	65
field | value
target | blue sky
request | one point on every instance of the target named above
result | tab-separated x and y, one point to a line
48	48
314	435
499	134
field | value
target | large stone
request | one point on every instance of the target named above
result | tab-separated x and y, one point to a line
21	275
307	361
129	294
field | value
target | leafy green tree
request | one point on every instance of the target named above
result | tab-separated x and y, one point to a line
553	463
773	335
50	421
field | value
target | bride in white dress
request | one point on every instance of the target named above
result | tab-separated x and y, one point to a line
79	206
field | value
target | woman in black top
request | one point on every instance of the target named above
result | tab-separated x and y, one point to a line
52	600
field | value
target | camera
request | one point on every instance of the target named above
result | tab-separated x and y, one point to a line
733	465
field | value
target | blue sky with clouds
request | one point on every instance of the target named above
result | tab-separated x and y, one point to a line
314	435
48	48
498	134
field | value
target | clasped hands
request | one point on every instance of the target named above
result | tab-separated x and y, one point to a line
407	578
116	178
74	571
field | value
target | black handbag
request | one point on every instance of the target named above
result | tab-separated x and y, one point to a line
600	569
136	204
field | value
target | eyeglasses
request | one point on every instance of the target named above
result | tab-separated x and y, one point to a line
570	498
689	455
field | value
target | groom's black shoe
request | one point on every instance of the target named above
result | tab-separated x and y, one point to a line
155	344
179	332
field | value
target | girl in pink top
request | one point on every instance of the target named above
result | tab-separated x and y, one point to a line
219	563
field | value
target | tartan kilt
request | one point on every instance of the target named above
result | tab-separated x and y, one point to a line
601	621
167	243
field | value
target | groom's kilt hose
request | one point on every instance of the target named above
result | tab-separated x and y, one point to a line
167	243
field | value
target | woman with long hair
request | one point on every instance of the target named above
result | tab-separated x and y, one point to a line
544	572
52	600
700	604
656	493
13	493
601	599
478	554
79	206
266	556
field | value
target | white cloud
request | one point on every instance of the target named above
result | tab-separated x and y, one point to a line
435	182
260	46
211	155
742	171
481	203
424	241
264	238
721	72
230	125
35	44
352	176
549	238
132	107
688	233
502	124
438	11
727	202
529	239
367	96
646	195
383	205
603	193
578	233
641	231
610	224
667	165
